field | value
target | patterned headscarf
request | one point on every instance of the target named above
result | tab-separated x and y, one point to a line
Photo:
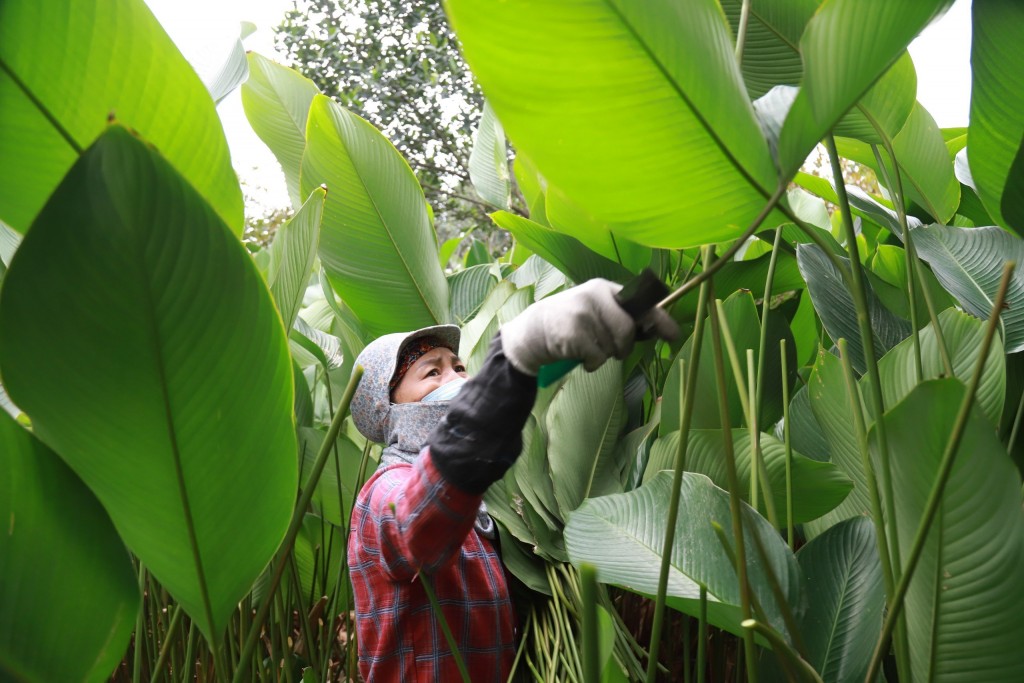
412	352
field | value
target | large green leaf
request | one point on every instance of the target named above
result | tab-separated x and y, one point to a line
377	244
969	264
583	426
544	277
620	104
235	69
996	148
846	47
827	392
477	334
964	603
963	335
467	290
276	100
818	487
768	58
835	307
844	597
566	253
882	112
65	69
66	582
533	475
176	406
488	161
623	535
292	254
805	434
570	218
924	163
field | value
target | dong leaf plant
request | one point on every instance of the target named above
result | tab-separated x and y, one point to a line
821	477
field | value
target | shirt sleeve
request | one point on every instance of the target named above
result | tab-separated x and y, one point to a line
415	518
482	434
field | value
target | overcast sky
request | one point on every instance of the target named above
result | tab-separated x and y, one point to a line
205	31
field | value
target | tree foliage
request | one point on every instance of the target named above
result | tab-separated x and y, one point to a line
396	64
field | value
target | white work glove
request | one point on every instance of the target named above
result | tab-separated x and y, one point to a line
584	323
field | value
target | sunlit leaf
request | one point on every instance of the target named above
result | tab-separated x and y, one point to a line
619	116
488	161
235	69
846	47
376	243
276	100
292	254
65	69
566	253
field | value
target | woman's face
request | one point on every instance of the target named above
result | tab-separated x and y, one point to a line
433	369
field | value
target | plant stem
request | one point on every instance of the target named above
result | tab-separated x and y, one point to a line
710	270
860	428
858	288
789	446
165	649
941	478
780	598
293	529
755	462
1016	426
436	606
745	392
741	31
702	634
734	497
677	475
801	668
762	349
757	459
591	655
140	626
911	295
913	262
859	292
914	268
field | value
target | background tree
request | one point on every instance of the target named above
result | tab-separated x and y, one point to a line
396	63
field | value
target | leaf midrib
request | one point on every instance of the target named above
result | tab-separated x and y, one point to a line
690	104
149	318
847	570
384	224
600	450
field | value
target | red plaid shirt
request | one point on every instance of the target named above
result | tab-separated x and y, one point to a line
408	519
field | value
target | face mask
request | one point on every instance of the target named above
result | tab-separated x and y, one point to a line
445	392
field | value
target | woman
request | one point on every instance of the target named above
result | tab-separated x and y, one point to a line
447	438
